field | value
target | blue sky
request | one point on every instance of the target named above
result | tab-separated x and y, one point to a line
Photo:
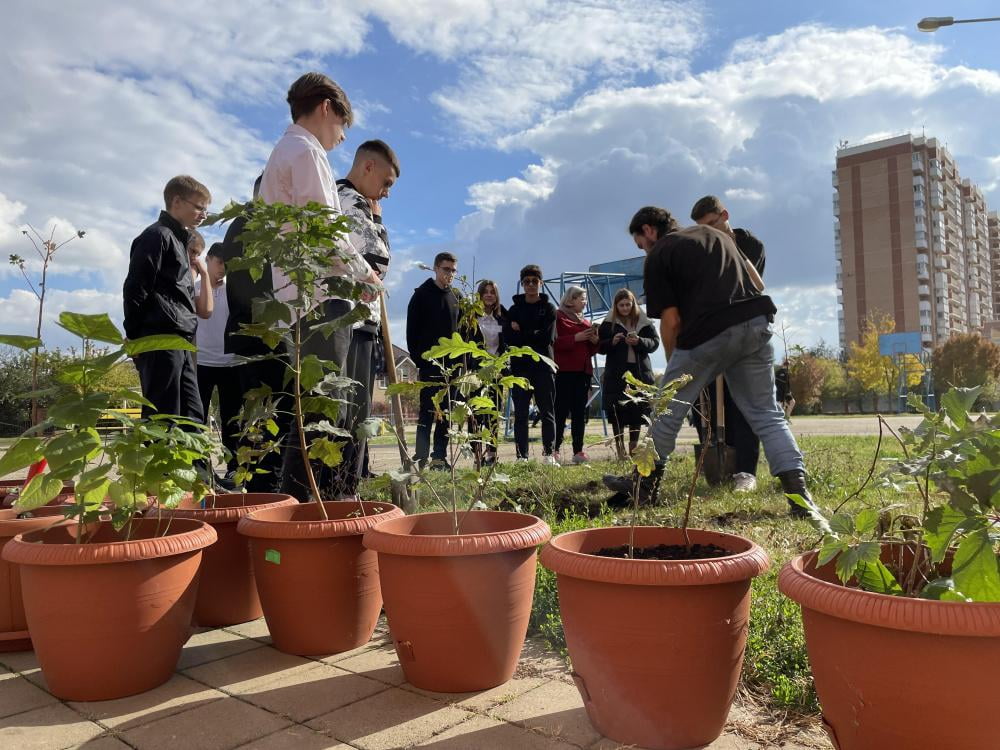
527	131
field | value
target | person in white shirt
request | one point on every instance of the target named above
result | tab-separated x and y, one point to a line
297	172
216	368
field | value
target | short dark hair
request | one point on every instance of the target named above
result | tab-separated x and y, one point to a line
382	149
531	270
311	90
442	257
658	218
216	251
185	187
710	204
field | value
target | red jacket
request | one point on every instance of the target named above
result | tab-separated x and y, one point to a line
572	355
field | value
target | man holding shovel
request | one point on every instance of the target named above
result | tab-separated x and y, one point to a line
713	319
735	449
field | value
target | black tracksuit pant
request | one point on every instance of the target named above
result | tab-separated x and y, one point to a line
227	380
544	386
572	390
169	380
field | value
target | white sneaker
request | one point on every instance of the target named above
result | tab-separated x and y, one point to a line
744	482
522	460
549	460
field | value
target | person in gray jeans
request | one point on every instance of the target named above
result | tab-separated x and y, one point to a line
713	319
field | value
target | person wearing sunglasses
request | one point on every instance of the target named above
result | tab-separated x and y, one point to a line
531	321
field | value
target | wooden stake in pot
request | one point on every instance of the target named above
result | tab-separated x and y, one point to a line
404	497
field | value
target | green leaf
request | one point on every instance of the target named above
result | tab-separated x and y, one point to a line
23	453
369	428
21	342
324	425
645	457
78	411
328	451
311	372
96	327
816	519
975	568
72	448
830	549
866	521
940	527
957	402
42	489
842	524
158	343
455	347
874	576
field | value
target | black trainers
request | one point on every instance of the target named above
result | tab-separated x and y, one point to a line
625	484
794	483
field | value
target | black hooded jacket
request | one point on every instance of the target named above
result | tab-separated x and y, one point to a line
537	324
431	314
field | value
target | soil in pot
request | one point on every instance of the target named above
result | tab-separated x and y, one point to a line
227	591
656	645
458	605
13	624
897	672
318	585
109	618
666	552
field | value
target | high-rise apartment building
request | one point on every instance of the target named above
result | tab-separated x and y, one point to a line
993	227
911	240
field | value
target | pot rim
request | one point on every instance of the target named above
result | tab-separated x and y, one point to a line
184	535
226	514
387	538
927	616
740	566
258	526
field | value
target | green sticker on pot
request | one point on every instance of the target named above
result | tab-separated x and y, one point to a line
272	555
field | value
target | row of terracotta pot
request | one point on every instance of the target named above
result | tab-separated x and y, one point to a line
657	647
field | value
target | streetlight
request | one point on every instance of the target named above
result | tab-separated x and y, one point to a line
933	23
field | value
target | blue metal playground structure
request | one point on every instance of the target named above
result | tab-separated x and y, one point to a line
601	282
898	346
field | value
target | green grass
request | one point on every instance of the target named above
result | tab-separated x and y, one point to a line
776	667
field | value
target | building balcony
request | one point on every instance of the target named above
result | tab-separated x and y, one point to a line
924	291
918	163
835	182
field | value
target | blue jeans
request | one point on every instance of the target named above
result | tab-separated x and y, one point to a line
744	353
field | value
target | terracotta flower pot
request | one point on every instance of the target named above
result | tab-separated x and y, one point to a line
108	618
13	625
318	585
227	592
458	604
657	646
895	672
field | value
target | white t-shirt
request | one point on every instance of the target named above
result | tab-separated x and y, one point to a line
490	328
211	333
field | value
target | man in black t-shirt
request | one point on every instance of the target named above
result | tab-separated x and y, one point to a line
713	319
739	435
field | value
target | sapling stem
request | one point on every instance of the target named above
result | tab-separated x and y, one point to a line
314	488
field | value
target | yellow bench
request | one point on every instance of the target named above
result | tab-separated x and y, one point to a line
108	420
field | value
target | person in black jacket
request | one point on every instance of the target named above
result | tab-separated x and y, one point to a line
158	296
739	435
431	314
531	321
626	338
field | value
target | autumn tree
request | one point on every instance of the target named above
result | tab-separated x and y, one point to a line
806	375
876	372
966	360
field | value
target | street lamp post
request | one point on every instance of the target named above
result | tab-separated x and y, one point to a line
933	23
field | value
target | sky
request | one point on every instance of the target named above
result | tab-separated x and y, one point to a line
527	130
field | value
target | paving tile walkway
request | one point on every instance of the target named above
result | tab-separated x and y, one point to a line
233	690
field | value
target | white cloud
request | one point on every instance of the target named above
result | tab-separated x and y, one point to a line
744	194
521	57
21	312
